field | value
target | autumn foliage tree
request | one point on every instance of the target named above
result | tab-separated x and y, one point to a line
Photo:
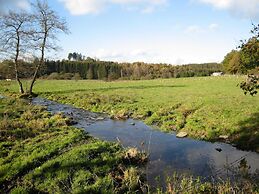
232	63
249	50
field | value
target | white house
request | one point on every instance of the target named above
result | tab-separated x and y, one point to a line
217	74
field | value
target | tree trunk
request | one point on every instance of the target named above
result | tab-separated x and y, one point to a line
18	80
34	78
121	72
16	64
39	65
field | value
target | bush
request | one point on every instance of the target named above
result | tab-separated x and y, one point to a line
76	76
66	76
63	76
54	75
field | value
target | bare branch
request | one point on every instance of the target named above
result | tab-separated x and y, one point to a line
48	24
13	39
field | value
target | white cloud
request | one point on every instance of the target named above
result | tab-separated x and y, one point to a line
6	5
196	29
23	4
193	29
243	8
103	53
122	55
80	7
218	3
213	26
148	9
141	52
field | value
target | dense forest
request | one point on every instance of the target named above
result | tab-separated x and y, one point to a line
106	70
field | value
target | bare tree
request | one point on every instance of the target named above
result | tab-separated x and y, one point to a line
48	24
14	34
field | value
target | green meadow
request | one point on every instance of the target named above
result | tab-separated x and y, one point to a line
41	153
204	107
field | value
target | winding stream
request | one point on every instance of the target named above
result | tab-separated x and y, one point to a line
167	154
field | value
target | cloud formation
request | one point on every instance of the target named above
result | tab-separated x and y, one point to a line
242	8
133	54
120	55
195	29
81	7
213	26
6	5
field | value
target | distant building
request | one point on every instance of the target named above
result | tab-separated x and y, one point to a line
217	74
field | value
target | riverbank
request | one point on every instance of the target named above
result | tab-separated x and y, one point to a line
41	153
199	158
207	108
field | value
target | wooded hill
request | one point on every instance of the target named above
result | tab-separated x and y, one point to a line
107	70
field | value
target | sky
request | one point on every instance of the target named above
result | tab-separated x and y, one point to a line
152	31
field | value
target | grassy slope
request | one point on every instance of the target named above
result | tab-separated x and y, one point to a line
204	107
40	153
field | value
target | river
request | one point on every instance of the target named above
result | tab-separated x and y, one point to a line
167	153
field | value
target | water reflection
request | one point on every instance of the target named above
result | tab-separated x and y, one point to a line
168	154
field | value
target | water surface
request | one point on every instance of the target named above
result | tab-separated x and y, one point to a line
167	153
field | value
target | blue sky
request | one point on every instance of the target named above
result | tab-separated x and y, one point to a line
166	31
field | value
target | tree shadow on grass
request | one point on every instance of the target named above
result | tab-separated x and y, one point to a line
141	87
248	134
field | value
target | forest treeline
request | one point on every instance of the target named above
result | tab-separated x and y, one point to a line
106	70
236	62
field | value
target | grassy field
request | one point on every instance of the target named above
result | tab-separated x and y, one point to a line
40	153
205	107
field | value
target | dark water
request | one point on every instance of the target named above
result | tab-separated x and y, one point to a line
168	154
